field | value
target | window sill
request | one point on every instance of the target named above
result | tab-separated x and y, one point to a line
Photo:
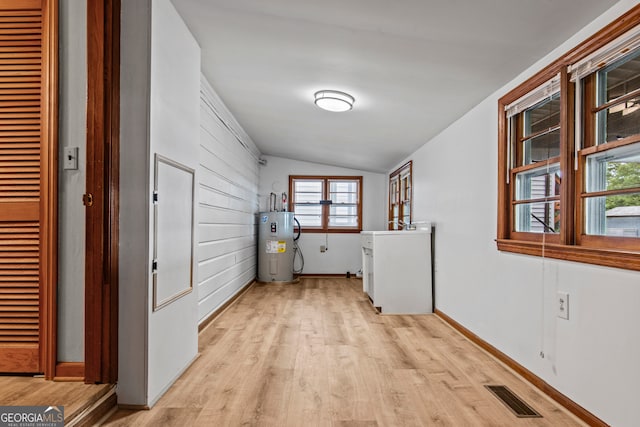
627	260
330	231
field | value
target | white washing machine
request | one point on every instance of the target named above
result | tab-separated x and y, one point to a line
396	270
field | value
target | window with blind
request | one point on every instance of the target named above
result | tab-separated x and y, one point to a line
534	161
327	203
569	154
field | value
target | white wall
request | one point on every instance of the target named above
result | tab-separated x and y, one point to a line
160	94
134	206
228	188
175	123
344	251
507	299
71	183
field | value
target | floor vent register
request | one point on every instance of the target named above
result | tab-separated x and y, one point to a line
519	407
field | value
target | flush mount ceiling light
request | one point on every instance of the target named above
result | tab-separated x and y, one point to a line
333	100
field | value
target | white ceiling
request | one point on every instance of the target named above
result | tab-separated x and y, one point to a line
414	66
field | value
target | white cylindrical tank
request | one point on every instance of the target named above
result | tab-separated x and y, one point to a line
275	247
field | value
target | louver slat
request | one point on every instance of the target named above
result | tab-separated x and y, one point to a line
20	184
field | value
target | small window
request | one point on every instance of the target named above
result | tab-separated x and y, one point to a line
400	197
534	147
327	203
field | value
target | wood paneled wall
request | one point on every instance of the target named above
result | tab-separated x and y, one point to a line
227	213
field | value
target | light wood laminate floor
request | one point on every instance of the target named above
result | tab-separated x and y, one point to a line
316	354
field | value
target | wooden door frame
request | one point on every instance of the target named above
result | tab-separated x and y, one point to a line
102	191
49	194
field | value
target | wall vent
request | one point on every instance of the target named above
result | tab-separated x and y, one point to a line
513	402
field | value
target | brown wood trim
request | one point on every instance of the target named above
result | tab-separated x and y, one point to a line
535	237
49	192
133	407
103	122
210	318
541	200
69	371
539	133
630	190
567	156
529	376
619	100
611	242
606	257
504	207
536	165
634	139
402	168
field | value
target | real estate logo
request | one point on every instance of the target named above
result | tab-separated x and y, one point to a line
31	416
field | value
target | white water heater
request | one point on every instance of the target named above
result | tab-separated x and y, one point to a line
275	247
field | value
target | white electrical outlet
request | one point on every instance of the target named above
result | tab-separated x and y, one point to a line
70	158
323	248
562	305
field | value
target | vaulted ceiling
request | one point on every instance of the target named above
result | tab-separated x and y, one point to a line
414	66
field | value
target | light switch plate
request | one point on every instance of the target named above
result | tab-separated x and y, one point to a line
70	158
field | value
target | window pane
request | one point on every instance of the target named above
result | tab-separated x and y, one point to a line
343	191
343	186
623	118
620	78
617	215
538	183
344	197
542	116
308	186
538	217
614	169
343	221
542	147
308	197
343	210
619	121
307	210
309	221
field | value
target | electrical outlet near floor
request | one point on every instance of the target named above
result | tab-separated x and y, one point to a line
562	305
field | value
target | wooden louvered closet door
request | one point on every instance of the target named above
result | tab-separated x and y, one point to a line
27	183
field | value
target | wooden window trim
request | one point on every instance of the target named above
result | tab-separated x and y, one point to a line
397	173
325	208
572	245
